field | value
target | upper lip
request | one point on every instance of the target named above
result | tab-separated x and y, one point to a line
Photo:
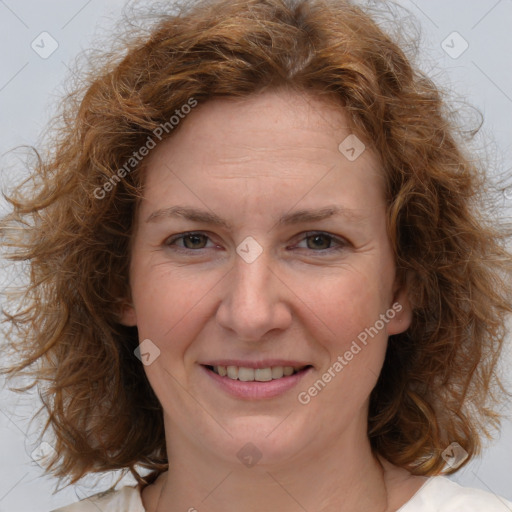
267	363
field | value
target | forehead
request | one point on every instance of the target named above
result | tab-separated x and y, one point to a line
271	122
267	140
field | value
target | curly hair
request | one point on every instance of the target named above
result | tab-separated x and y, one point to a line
72	222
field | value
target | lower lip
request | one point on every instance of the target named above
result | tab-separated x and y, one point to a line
256	390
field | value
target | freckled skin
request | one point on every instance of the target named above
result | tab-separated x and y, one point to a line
250	161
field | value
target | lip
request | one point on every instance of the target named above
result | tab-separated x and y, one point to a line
265	363
256	390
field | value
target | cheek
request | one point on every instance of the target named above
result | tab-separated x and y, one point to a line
347	305
355	345
355	341
170	306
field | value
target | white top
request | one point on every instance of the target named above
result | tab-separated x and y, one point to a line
438	494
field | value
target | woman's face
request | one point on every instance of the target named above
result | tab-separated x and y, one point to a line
288	265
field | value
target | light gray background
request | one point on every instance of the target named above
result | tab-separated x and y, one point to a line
29	86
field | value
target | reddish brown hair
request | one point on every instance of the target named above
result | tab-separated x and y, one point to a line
439	380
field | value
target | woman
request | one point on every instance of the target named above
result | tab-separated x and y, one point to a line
259	272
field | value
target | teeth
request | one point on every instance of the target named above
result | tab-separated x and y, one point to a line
232	372
263	374
251	374
277	372
245	374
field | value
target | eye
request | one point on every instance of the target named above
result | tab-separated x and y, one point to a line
320	241
191	241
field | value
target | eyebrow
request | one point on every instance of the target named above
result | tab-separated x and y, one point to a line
296	217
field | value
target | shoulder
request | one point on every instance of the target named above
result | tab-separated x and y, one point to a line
126	499
439	494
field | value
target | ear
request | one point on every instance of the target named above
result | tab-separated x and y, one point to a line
402	306
128	316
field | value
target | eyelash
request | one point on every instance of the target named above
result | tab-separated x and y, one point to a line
342	244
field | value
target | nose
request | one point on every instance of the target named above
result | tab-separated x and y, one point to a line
254	300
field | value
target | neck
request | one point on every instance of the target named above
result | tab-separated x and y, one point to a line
345	478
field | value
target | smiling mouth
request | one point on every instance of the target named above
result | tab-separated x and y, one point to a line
256	374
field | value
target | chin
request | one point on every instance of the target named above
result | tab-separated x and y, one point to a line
264	441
